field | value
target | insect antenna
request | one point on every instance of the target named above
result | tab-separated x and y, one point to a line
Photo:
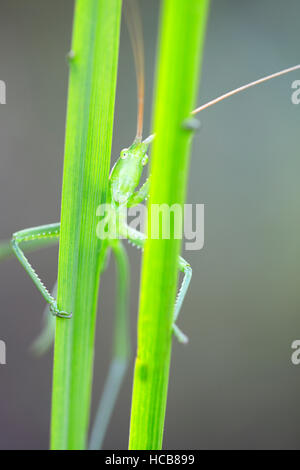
135	29
245	87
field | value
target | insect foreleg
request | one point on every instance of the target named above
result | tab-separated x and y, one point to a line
121	350
37	233
141	195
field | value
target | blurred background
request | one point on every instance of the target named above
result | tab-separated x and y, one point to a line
233	386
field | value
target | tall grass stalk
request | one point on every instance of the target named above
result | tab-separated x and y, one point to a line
180	47
91	99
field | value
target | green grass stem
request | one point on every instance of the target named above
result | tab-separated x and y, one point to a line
180	47
91	98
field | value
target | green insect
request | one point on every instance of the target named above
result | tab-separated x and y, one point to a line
124	180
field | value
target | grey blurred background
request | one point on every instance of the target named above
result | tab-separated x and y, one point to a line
234	385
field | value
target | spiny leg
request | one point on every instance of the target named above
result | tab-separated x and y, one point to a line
6	250
186	268
46	337
138	240
121	350
133	236
37	233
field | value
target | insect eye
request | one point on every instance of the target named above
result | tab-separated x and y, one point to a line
145	160
124	154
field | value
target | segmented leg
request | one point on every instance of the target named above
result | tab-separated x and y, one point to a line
121	350
46	337
6	250
38	233
186	268
141	195
137	239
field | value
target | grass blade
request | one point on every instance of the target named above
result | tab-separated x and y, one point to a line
181	40
92	85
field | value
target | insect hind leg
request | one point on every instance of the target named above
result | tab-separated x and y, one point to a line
186	268
138	239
